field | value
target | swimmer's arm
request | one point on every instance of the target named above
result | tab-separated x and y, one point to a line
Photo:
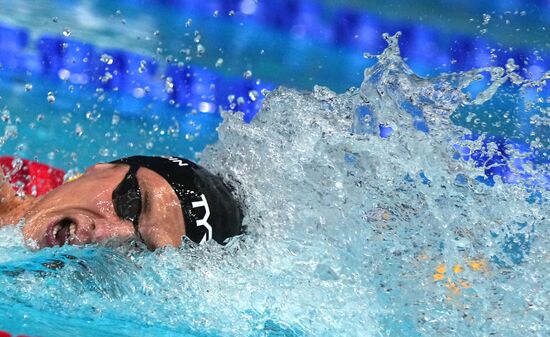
12	206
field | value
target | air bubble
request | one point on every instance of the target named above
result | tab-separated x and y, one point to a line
28	87
247	74
219	62
66	32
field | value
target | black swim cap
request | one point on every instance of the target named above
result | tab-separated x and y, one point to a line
210	210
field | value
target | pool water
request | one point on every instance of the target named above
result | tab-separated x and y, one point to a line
406	206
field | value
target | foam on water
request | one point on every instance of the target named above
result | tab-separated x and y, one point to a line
360	223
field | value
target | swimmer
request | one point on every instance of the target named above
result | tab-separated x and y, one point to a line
159	201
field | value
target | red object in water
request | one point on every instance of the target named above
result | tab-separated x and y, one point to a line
34	175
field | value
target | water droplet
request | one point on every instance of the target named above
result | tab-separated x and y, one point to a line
169	85
142	66
93	115
240	100
5	116
156	33
104	152
107	77
106	58
188	23
219	63
486	19
66	32
216	13
231	13
78	130
200	50
66	119
50	97
149	145
198	37
247	74
253	95
368	56
28	87
55	19
40	117
231	98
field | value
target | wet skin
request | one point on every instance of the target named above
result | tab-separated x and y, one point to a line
82	211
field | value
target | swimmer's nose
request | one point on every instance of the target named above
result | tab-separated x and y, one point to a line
103	229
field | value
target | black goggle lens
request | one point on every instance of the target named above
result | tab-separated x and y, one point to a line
127	199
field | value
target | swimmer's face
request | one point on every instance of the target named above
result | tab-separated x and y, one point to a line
82	211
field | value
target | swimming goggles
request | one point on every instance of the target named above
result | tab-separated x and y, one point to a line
127	199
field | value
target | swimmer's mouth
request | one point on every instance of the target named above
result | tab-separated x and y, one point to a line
62	232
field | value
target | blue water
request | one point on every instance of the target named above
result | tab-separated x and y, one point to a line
402	207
